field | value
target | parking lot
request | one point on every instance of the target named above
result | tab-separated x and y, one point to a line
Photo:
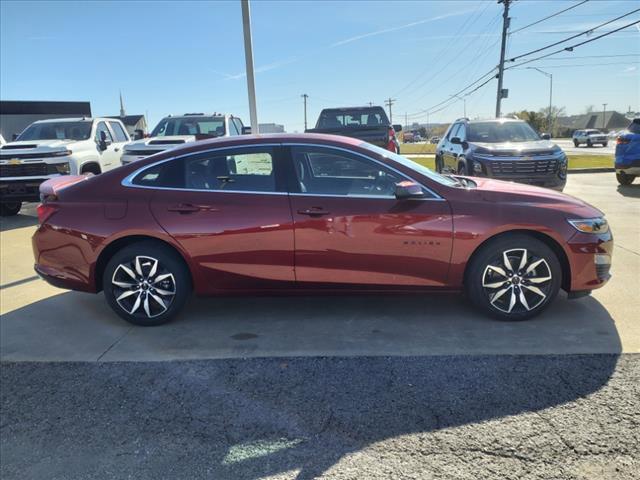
335	387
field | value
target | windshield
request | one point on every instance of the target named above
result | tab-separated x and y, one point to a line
354	118
57	131
427	172
501	132
593	132
212	126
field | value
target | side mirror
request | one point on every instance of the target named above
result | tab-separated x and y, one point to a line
397	127
408	189
103	143
246	130
456	140
545	136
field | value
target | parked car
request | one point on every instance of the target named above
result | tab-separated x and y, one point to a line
505	149
370	124
434	140
312	214
177	130
590	138
50	148
627	155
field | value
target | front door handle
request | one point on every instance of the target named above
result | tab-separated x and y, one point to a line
314	212
184	208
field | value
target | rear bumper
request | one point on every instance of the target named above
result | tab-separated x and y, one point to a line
630	167
61	279
20	190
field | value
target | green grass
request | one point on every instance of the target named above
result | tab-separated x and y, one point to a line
575	161
417	148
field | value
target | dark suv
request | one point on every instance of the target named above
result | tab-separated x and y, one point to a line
504	149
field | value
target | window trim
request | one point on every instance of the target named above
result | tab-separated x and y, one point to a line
96	136
127	181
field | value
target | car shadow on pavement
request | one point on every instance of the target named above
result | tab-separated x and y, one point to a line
315	381
17	221
629	190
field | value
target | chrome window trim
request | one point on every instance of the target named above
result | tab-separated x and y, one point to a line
127	181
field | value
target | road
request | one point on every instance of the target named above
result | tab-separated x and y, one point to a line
332	387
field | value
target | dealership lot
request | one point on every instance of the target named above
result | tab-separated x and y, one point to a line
40	322
323	387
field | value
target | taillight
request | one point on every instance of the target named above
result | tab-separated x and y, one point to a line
392	133
622	140
45	210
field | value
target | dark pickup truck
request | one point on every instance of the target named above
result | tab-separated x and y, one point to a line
370	124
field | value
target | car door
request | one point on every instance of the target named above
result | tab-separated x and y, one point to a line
351	230
109	157
229	209
120	139
449	161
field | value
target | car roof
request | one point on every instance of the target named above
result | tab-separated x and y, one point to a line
75	119
198	115
498	120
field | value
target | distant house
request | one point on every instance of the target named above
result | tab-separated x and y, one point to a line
132	123
15	116
270	128
601	120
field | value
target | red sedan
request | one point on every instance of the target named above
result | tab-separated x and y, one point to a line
310	213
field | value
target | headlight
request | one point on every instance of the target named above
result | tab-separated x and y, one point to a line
477	168
64	153
63	168
590	225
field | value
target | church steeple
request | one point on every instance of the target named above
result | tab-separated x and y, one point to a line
122	114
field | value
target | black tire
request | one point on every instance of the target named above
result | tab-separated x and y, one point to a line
148	311
462	168
589	144
9	209
438	164
576	143
605	144
487	291
624	179
91	168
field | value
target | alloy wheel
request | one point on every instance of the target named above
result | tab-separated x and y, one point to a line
143	287
517	281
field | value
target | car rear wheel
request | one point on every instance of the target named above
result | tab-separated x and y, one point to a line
513	278
438	164
605	144
624	179
146	283
9	209
589	144
576	143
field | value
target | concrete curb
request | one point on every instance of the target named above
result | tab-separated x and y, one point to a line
592	170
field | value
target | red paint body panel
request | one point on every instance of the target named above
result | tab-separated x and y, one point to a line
251	242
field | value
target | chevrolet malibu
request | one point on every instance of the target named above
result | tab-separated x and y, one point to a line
308	213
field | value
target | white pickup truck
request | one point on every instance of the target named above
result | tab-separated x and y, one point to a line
176	130
49	148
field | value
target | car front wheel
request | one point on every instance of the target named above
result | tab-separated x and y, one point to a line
513	278
9	209
576	143
146	283
624	179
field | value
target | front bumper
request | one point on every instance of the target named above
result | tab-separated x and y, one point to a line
20	190
590	260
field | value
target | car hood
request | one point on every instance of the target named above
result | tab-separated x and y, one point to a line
519	146
168	141
497	191
44	145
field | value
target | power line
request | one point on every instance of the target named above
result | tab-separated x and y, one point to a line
550	16
513	59
584	65
571	47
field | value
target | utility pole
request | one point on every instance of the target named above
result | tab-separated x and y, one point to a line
503	48
248	56
604	113
371	104
305	96
406	122
390	101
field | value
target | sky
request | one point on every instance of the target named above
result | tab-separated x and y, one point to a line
174	57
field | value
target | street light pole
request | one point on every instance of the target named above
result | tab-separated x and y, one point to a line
305	96
248	56
550	76
604	113
503	49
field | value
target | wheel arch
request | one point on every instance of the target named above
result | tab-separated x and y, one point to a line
118	244
551	242
91	166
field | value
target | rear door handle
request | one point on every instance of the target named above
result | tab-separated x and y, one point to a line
314	212
184	208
